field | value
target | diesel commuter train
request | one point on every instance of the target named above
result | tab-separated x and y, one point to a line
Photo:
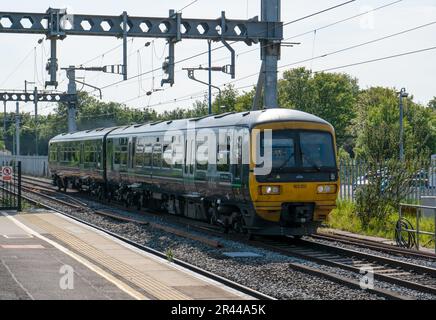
130	164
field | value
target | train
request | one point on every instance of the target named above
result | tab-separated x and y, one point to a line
265	172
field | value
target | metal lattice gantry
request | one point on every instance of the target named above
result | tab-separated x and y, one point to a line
57	24
34	96
26	96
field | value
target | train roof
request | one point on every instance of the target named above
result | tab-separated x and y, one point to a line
248	119
93	134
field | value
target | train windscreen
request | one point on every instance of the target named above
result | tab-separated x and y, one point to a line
301	151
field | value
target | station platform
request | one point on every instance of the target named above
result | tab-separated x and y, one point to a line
44	255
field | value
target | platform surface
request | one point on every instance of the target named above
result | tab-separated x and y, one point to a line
45	255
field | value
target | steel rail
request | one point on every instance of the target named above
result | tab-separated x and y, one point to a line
329	256
348	253
373	245
347	282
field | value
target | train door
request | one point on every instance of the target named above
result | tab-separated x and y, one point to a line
131	158
236	164
189	163
81	156
224	170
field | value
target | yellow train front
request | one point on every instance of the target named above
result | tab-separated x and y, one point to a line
300	190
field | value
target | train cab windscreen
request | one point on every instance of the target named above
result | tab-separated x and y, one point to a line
301	151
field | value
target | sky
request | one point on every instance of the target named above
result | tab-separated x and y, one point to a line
22	58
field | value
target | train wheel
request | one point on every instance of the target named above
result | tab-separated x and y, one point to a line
226	225
213	220
238	226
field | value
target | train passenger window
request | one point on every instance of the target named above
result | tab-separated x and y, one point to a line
53	153
186	156
223	156
177	152
238	167
167	156
66	154
77	153
139	160
98	157
178	159
139	156
62	153
120	152
157	155
148	152
123	158
202	158
90	154
70	154
191	164
117	158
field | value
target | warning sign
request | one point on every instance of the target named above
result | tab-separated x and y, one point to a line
7	173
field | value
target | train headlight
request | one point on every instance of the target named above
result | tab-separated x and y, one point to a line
270	190
329	188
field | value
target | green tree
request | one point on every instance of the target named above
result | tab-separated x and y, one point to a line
296	90
376	126
331	96
432	103
226	101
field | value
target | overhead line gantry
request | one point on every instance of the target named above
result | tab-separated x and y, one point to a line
57	24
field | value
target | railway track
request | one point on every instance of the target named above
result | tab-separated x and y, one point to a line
373	245
362	243
392	271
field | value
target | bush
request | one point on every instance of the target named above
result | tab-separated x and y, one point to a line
388	184
346	218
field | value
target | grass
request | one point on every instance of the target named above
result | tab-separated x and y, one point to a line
170	255
344	218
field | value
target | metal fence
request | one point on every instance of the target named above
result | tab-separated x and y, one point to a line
354	175
412	235
10	187
30	165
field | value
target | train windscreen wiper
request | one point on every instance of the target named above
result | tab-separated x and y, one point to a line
282	166
313	164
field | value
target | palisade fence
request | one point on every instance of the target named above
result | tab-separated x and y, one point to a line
30	165
354	175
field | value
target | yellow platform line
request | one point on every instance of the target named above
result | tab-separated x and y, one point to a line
152	286
121	285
